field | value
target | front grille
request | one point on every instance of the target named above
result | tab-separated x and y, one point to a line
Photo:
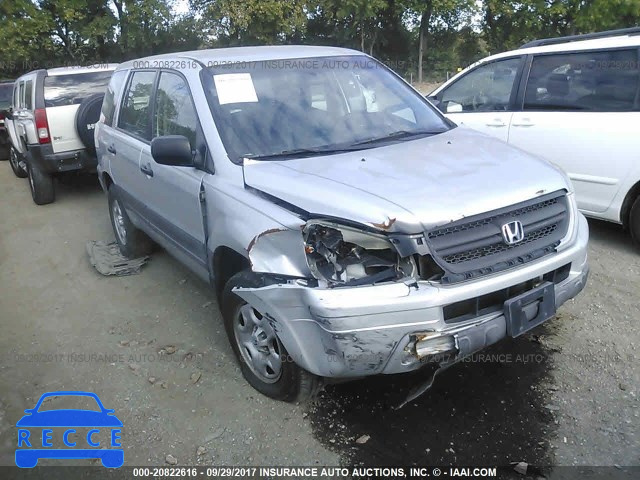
474	246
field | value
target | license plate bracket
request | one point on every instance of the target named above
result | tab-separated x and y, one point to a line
530	309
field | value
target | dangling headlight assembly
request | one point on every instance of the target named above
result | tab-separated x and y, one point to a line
343	255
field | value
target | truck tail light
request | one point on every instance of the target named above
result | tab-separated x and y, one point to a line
42	126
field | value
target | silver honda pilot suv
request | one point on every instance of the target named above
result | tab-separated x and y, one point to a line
348	227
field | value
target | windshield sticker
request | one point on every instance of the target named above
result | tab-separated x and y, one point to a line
235	88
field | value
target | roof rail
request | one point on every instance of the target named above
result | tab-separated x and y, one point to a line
586	36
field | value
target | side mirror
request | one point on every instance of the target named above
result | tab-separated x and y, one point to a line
434	101
454	107
172	150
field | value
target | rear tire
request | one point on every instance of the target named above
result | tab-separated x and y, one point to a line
14	161
284	380
634	222
41	185
133	242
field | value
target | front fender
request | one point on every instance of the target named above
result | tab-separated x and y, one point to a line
279	251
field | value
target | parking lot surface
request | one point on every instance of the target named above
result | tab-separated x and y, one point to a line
153	347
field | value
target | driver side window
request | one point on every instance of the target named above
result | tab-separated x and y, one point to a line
486	89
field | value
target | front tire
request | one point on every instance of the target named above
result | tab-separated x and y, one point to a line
634	222
16	164
263	360
41	185
132	242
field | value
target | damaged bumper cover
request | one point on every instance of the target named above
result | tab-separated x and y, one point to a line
397	326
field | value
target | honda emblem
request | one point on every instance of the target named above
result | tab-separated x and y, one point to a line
513	232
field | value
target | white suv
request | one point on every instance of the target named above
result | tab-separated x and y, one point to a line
51	124
573	101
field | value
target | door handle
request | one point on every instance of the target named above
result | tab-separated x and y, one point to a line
525	122
146	169
496	123
111	149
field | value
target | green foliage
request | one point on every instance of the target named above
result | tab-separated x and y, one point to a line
252	22
509	23
47	33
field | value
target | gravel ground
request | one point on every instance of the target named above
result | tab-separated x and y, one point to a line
568	395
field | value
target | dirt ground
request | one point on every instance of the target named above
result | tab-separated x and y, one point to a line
426	87
152	346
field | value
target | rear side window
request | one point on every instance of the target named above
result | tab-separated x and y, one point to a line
21	95
28	95
6	89
135	112
111	96
72	89
602	81
16	95
175	113
486	89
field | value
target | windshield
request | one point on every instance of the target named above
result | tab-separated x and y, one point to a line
6	89
313	106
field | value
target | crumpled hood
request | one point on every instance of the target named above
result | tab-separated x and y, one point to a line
411	186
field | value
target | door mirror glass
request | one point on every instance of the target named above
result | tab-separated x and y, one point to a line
454	107
172	150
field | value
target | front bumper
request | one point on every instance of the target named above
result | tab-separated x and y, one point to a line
46	160
367	330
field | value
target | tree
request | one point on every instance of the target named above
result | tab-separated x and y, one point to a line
79	27
361	18
24	37
509	23
446	14
247	22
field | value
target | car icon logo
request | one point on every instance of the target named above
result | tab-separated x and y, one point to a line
33	446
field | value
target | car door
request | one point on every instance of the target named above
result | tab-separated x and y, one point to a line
578	112
172	193
483	98
12	118
132	134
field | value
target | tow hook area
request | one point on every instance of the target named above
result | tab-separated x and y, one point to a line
431	347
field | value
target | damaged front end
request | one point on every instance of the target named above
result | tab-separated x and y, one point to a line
333	293
348	300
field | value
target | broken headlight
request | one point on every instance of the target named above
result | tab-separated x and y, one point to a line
342	255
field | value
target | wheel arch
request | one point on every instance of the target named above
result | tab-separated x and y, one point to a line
226	263
629	199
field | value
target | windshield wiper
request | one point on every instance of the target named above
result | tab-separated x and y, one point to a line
331	150
301	152
398	135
